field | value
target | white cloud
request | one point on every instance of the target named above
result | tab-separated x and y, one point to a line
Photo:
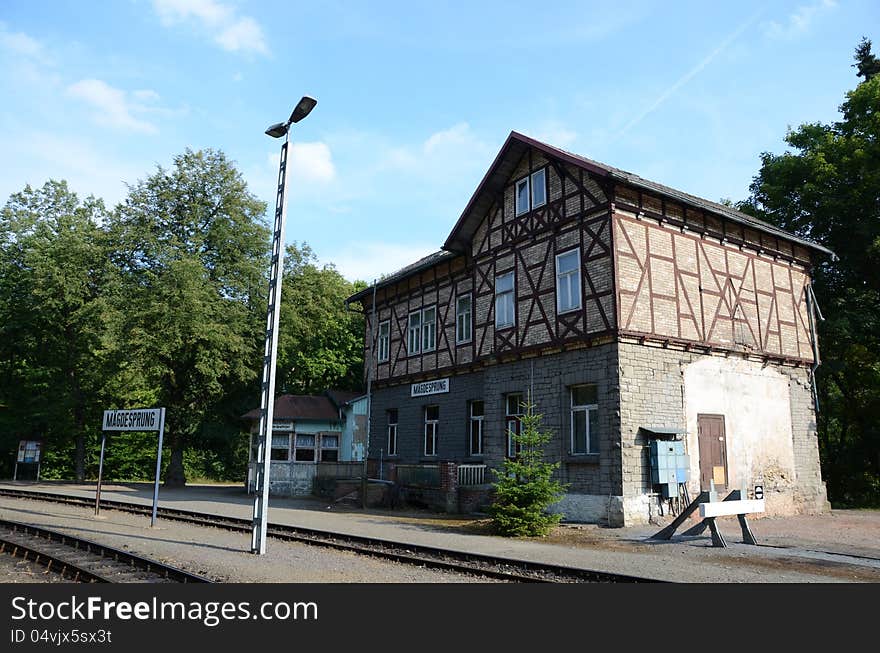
112	107
146	95
554	133
20	43
228	29
366	261
799	22
311	163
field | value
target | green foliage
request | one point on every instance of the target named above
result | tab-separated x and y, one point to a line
524	489
828	189
321	344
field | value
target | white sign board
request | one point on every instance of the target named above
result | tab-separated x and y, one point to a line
435	387
141	419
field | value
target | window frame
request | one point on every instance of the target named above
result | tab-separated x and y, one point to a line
296	447
392	428
533	185
429	328
477	420
576	274
519	210
434	425
383	343
591	443
322	448
410	330
512	449
272	447
470	319
500	296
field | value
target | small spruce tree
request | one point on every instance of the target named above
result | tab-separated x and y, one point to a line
524	488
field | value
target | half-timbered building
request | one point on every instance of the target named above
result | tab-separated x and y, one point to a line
628	311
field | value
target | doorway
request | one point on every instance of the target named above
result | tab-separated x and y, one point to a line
713	451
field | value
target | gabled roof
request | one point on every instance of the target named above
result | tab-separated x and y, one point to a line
343	397
517	144
502	168
300	407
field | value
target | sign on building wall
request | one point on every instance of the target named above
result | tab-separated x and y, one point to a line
435	387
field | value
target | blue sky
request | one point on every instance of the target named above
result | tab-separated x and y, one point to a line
414	98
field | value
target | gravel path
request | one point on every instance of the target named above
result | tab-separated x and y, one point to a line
220	555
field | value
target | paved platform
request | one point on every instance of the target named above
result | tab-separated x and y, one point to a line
626	551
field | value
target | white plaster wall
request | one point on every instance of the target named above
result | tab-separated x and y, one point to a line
755	402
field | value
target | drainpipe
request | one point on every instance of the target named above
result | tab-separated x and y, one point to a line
813	306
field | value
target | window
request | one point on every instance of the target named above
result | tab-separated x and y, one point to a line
429	329
384	336
568	281
463	319
305	448
539	189
415	333
280	447
476	428
432	417
392	432
522	196
584	419
504	304
513	412
329	447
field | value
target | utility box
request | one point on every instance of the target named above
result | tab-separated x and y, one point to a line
669	465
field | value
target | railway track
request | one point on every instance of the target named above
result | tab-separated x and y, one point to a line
495	567
83	560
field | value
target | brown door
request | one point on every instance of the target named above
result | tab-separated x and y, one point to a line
713	451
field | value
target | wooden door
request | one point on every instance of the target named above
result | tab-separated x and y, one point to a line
713	451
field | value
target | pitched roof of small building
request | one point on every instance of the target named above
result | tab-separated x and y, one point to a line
342	397
295	407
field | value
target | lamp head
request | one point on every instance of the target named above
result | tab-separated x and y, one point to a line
277	130
303	108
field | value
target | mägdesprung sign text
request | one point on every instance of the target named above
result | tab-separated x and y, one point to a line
138	419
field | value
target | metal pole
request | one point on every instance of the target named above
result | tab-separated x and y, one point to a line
270	355
373	335
100	474
15	472
158	468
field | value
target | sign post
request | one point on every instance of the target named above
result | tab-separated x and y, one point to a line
138	419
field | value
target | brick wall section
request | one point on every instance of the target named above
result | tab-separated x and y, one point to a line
652	394
549	377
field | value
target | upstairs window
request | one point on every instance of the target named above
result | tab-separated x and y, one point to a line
504	301
539	189
414	341
463	319
429	329
568	281
584	419
432	419
384	338
522	196
530	192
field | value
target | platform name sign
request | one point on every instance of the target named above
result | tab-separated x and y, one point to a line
435	387
141	419
759	492
134	419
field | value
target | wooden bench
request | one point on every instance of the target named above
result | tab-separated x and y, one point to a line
732	504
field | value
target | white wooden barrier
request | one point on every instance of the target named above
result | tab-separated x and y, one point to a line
722	508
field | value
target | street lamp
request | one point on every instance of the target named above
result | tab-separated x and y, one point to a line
270	352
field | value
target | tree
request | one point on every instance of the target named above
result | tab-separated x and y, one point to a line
868	65
56	289
320	342
193	250
828	190
525	490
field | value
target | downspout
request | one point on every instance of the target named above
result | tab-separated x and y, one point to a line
813	306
